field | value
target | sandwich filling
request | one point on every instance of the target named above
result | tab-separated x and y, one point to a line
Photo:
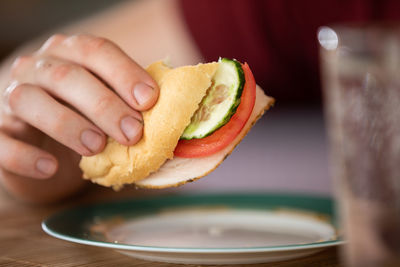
223	136
220	102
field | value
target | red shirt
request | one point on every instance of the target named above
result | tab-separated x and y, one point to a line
277	37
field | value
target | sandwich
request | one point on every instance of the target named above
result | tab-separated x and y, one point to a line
202	113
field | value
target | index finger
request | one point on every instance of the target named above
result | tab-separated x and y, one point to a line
104	58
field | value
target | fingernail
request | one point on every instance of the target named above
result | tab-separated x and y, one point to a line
91	140
143	93
46	166
131	127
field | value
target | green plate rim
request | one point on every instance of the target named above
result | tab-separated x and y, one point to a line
308	202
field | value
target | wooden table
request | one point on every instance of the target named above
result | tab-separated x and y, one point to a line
23	243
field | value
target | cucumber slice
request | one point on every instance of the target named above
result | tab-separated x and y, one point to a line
220	103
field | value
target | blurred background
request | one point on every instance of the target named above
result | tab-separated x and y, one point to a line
286	151
21	20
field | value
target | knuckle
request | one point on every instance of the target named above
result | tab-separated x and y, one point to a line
89	44
57	37
13	94
101	104
96	42
58	126
19	64
61	71
53	40
74	39
99	43
57	71
43	64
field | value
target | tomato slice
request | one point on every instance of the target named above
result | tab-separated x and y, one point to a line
222	137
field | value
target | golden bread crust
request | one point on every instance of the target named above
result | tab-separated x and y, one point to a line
181	91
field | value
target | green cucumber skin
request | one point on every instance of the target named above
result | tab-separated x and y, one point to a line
238	94
239	91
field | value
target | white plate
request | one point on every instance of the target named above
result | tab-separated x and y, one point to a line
204	229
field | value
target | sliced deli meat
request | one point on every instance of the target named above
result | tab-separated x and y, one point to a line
178	171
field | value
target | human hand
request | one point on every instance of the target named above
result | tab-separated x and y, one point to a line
74	90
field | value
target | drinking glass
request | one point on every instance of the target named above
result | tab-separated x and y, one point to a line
360	73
